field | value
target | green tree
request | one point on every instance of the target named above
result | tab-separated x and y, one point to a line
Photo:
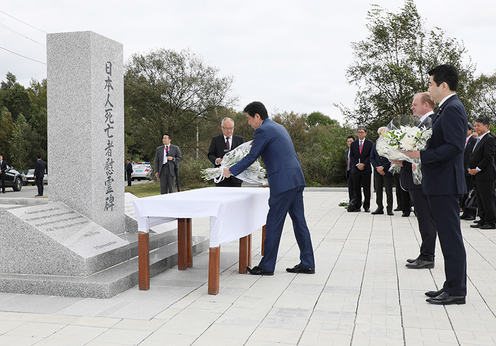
171	92
392	64
484	96
8	131
318	118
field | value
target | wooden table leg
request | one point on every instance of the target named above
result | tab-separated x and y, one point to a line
263	240
243	254
182	247
213	270
189	243
144	260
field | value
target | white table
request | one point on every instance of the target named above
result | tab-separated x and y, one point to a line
235	213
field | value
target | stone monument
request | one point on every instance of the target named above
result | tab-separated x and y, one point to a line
83	242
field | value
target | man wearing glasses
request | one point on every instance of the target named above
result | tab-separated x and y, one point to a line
223	143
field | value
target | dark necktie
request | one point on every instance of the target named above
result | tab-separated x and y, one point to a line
227	143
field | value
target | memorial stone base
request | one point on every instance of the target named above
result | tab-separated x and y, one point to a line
51	249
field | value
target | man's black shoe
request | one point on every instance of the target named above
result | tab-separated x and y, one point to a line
256	270
420	264
463	216
397	209
353	210
476	225
378	211
298	269
390	213
487	226
446	299
366	210
406	214
470	218
411	260
433	294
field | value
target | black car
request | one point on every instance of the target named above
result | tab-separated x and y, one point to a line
13	179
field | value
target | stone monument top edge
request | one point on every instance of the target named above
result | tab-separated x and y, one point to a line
90	34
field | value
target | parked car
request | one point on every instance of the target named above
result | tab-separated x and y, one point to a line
13	179
142	170
31	180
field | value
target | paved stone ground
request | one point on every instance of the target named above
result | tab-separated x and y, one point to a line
361	294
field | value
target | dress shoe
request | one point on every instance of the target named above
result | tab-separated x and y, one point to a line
378	211
390	213
411	260
256	270
446	299
354	210
479	221
397	209
38	195
432	294
470	218
476	225
298	269
406	214
420	264
366	210
487	226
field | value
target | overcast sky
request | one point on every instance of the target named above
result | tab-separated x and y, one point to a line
291	55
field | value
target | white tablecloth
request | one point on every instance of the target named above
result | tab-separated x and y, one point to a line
235	212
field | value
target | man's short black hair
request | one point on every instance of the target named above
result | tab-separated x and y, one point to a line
483	121
38	156
445	73
469	126
168	135
256	107
350	137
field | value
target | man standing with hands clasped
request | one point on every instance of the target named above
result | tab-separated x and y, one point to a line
166	158
360	151
39	174
481	168
272	142
444	182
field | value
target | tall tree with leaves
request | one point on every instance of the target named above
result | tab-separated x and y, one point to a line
392	64
171	92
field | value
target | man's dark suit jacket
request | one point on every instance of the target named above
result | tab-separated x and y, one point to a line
364	157
129	168
469	147
442	160
4	166
218	149
483	158
39	168
159	159
378	161
346	160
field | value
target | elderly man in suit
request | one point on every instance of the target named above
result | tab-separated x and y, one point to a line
382	178
360	151
3	167
272	142
422	107
220	145
481	167
167	156
444	182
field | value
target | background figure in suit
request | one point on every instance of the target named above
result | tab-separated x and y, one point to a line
422	107
272	142
166	158
468	213
481	167
360	151
219	146
349	177
129	171
3	167
444	182
382	178
39	173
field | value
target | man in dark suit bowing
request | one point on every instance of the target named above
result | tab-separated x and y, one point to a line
468	213
272	142
223	143
167	156
481	167
422	107
360	151
444	182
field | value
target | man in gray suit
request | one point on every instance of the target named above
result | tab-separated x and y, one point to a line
167	156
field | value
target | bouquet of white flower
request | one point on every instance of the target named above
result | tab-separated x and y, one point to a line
254	174
404	134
